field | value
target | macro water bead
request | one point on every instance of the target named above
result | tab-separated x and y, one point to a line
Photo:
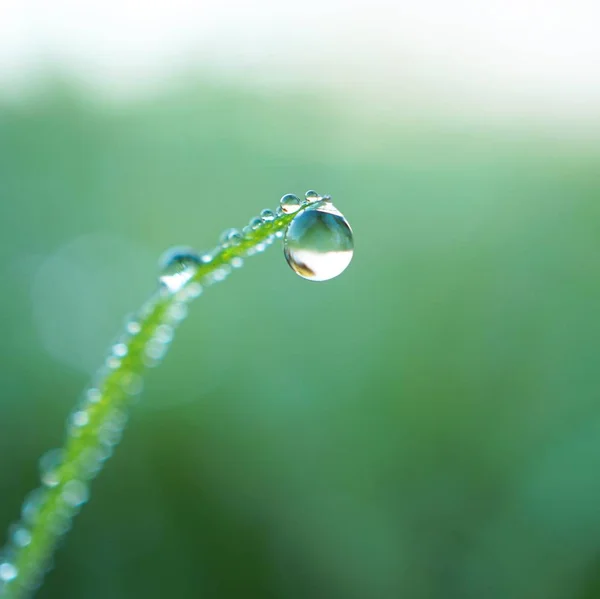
319	244
177	266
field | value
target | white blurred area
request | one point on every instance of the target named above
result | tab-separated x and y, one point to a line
490	61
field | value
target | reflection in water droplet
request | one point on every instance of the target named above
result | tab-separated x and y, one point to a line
290	203
318	243
177	266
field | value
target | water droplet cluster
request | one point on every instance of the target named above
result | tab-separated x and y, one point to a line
317	245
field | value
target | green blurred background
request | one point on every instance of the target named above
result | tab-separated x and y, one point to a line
427	425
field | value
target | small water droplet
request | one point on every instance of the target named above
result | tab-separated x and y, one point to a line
267	215
155	351
93	395
147	308
220	274
132	383
318	243
32	505
290	203
164	333
119	350
50	464
80	418
133	327
194	290
255	222
112	362
20	536
112	428
93	458
177	266
312	196
230	237
177	312
237	262
8	572
75	493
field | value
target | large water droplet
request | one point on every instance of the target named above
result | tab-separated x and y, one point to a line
177	266
318	243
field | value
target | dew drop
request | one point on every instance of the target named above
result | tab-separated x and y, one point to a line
318	243
20	536
290	203
32	505
255	223
155	351
312	196
194	290
75	493
80	418
119	350
112	362
133	327
177	312
50	464
132	383
93	395
8	572
230	237
267	215
177	266
164	333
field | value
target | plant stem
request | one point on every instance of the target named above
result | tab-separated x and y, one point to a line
95	426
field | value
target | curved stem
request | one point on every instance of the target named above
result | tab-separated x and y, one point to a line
95	426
